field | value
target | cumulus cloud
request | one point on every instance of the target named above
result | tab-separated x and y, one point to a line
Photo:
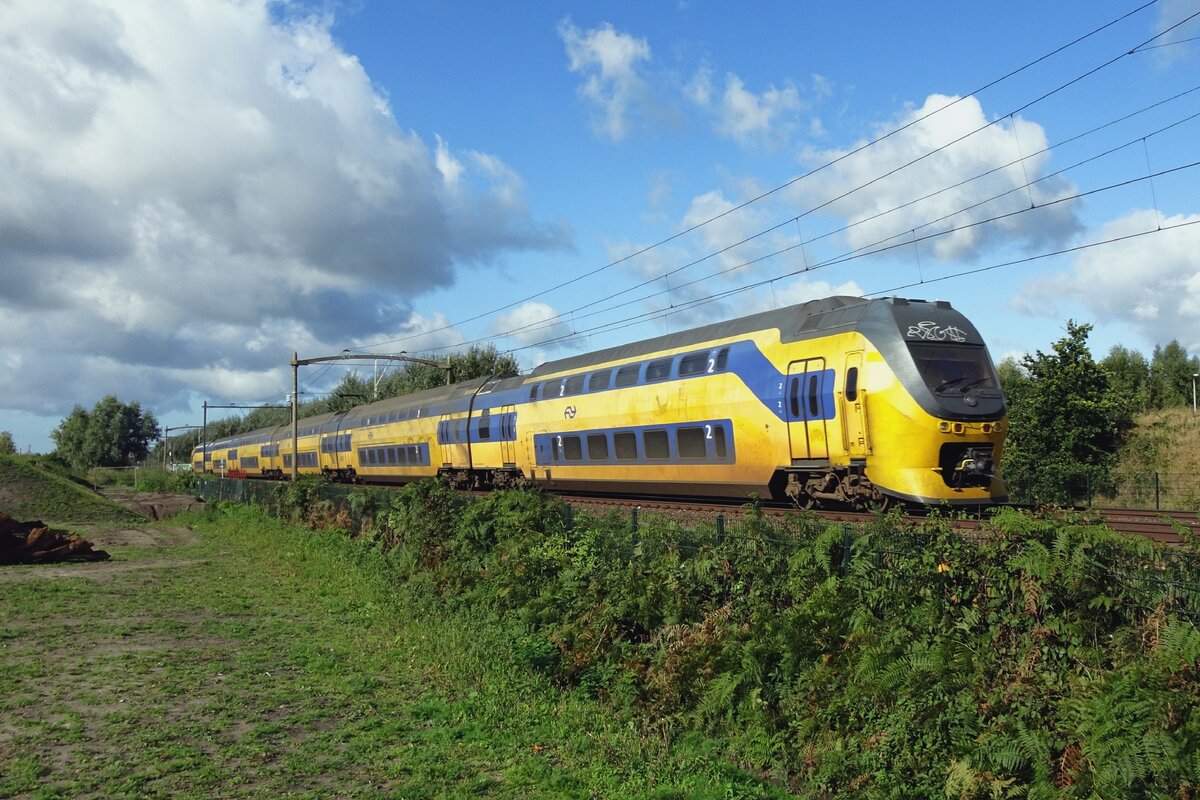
767	118
609	61
746	116
1151	282
531	323
926	197
182	212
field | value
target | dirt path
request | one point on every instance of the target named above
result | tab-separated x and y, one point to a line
153	505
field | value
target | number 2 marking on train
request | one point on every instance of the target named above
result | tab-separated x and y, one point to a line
708	431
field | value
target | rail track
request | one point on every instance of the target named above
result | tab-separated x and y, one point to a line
1166	527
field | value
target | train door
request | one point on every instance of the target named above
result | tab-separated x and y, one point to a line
808	407
854	422
444	430
508	435
543	454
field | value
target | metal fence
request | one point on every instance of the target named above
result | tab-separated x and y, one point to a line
1178	491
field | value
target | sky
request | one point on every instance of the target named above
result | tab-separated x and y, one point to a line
194	190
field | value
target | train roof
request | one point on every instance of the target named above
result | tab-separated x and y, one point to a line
888	322
881	317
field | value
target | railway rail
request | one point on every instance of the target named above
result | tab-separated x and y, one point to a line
1165	527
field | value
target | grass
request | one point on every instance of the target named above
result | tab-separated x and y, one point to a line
250	659
32	490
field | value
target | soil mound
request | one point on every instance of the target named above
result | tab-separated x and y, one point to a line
35	543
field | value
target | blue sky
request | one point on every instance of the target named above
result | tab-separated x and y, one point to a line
197	188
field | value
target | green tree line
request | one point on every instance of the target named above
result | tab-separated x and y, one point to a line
1069	414
355	389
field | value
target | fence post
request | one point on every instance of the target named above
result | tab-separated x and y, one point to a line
633	518
569	517
847	543
720	528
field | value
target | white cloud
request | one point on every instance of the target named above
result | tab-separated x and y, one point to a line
1170	13
699	89
531	323
1151	282
748	117
180	210
609	60
883	207
801	291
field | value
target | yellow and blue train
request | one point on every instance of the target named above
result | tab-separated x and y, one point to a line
839	401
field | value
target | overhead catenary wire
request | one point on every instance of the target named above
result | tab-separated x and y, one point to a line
685	304
872	248
680	307
860	148
809	266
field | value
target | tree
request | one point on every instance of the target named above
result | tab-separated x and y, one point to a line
478	362
1171	372
1014	380
7	446
1128	375
112	434
356	390
1065	425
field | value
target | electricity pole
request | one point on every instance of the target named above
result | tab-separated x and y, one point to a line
343	356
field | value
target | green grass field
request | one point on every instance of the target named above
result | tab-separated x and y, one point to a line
237	657
30	490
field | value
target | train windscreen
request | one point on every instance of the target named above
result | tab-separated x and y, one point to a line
954	368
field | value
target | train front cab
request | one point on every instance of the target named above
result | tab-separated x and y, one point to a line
935	414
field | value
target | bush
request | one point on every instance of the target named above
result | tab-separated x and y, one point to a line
1043	658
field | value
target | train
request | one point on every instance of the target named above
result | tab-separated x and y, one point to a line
838	402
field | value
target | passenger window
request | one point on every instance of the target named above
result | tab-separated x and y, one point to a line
718	434
694	364
572	448
690	442
814	397
625	444
533	391
794	398
658	370
722	359
628	375
657	445
852	383
485	424
597	444
598	381
573	385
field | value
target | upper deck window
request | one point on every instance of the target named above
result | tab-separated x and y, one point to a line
658	370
